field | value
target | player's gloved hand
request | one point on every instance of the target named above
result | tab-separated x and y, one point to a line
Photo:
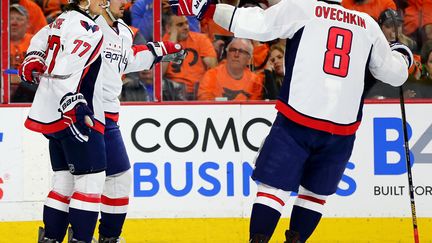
199	8
405	51
74	108
31	65
167	51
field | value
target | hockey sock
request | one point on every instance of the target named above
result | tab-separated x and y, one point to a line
306	213
263	220
304	221
267	210
83	223
56	223
114	204
111	224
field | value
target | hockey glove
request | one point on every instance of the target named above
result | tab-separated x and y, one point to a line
405	51
167	51
199	8
31	65
80	118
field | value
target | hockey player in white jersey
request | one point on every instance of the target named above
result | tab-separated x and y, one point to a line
330	51
118	57
68	110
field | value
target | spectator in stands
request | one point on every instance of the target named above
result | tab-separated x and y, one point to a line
201	55
142	17
232	80
19	38
36	17
425	82
372	7
382	90
274	72
418	20
387	25
426	57
138	87
51	8
19	42
209	27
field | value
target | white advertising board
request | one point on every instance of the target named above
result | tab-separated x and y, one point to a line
196	160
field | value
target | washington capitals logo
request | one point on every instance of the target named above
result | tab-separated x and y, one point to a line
86	26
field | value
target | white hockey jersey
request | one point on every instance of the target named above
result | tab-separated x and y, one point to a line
71	45
119	57
329	52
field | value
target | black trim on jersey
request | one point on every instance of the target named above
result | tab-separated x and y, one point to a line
36	53
86	14
329	2
291	49
127	27
369	82
232	18
87	84
44	123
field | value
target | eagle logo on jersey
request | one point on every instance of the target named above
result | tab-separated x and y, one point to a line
232	94
87	26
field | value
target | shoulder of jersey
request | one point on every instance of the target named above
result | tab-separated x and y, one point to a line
79	22
124	25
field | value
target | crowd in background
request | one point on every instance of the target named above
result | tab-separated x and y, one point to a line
219	67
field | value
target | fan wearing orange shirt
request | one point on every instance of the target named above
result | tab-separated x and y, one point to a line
372	7
52	8
200	54
418	16
232	79
36	17
19	40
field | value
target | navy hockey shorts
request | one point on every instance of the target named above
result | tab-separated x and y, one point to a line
79	158
117	158
294	155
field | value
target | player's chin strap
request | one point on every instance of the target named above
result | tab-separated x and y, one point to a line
107	9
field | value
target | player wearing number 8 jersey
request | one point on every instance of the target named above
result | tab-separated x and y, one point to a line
330	52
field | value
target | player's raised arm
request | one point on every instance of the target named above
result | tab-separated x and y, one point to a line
278	21
145	56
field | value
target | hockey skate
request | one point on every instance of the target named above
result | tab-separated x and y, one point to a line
103	239
292	236
42	238
72	240
259	238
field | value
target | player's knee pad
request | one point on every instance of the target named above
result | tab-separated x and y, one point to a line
272	197
87	191
118	185
63	182
62	188
115	197
310	200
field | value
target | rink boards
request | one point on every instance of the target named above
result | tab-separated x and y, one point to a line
194	161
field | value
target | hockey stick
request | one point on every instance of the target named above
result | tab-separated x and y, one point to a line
406	146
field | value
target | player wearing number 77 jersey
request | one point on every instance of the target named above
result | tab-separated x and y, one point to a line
330	52
69	112
118	57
